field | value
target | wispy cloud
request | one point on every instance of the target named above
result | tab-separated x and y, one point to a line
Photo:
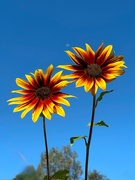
23	158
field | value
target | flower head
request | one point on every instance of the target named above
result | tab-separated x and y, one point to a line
94	69
41	93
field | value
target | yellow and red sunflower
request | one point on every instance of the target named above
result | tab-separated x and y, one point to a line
41	93
94	69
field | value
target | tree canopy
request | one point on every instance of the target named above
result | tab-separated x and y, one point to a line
29	173
63	159
94	175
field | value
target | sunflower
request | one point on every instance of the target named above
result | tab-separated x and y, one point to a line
94	69
41	93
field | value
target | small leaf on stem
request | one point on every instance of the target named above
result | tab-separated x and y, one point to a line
100	123
101	96
72	139
59	175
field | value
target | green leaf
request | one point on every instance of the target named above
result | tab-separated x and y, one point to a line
60	175
45	178
72	139
100	123
101	95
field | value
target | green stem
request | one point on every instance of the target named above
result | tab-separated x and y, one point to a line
46	148
90	137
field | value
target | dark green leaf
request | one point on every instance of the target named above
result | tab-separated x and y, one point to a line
45	178
100	123
72	139
101	95
60	175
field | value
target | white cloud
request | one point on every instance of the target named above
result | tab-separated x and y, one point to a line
23	158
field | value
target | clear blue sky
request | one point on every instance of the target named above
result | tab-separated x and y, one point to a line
34	34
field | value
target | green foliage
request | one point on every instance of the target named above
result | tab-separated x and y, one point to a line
73	139
63	159
94	175
101	96
59	175
29	173
63	163
100	123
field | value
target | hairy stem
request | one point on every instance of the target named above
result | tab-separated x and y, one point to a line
90	137
46	148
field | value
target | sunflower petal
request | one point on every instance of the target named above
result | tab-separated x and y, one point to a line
39	77
60	100
107	76
49	104
74	75
37	111
64	95
46	113
15	99
99	51
55	79
20	107
70	67
80	52
29	107
15	102
20	91
116	64
115	71
81	81
114	59
94	89
104	55
76	59
88	84
31	81
48	74
91	54
101	83
23	84
59	110
22	99
57	87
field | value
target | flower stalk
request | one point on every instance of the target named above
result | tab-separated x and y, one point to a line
46	148
93	70
90	137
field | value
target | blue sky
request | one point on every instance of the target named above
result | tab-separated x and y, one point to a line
35	34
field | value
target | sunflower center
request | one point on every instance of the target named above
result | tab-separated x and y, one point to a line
43	92
93	70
